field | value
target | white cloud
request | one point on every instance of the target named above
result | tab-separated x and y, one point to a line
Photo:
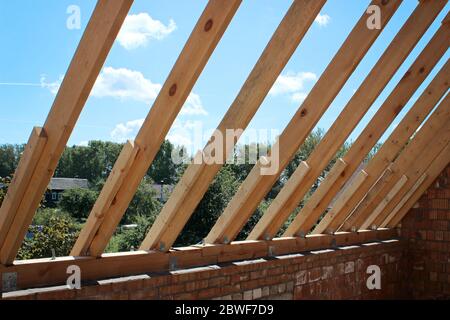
193	106
128	84
299	97
189	134
53	87
83	143
323	20
127	130
293	84
125	84
139	29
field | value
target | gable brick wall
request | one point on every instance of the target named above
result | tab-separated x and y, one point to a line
427	230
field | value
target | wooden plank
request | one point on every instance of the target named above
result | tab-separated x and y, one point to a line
285	40
47	272
360	178
385	115
423	155
382	205
21	179
375	189
299	175
435	169
323	93
88	60
413	150
198	49
105	199
279	210
405	199
332	176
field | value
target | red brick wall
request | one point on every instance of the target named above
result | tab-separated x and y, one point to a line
329	274
427	229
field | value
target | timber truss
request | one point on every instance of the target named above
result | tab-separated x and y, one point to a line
367	207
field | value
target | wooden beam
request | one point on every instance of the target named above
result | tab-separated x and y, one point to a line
374	190
331	177
182	203
415	159
243	205
47	272
382	205
21	179
88	60
386	114
435	169
198	49
105	199
405	199
413	150
353	186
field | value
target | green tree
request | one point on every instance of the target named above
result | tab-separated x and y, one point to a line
9	158
210	207
131	239
4	183
78	202
59	234
145	202
163	169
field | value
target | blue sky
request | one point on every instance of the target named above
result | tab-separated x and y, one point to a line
37	48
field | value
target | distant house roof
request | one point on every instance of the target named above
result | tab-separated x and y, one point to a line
67	183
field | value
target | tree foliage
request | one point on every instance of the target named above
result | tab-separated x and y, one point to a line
57	235
78	202
9	158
